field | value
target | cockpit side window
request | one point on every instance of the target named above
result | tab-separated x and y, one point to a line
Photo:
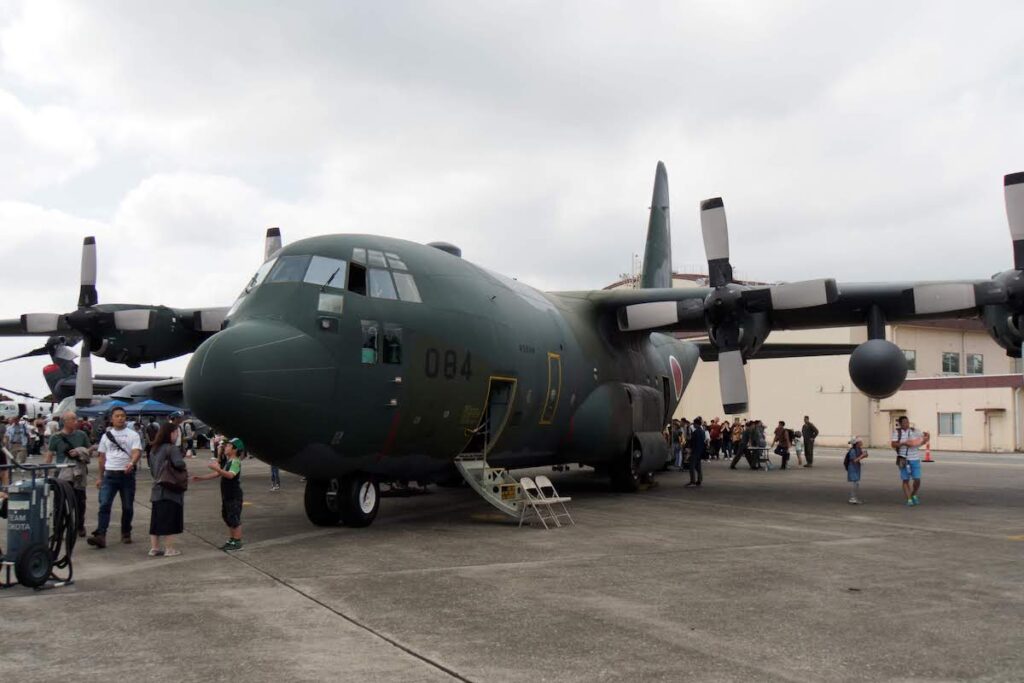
289	269
381	286
407	289
357	279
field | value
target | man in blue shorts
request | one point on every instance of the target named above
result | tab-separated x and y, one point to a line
907	442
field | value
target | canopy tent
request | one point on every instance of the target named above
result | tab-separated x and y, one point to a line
151	407
100	408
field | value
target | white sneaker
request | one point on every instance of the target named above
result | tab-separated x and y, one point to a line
855	501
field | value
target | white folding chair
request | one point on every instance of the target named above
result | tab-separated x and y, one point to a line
551	497
534	502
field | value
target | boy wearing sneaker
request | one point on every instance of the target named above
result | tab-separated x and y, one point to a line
907	442
229	470
854	456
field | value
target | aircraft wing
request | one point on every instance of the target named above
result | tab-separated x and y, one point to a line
709	352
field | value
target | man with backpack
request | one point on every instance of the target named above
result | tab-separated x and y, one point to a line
120	449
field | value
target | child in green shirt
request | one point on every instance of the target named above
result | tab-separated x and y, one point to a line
230	472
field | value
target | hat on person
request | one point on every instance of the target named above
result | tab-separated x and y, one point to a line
853	440
237	443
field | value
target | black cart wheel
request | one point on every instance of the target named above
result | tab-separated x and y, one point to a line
624	471
322	502
34	564
359	500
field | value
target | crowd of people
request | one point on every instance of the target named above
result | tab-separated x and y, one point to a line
694	441
117	446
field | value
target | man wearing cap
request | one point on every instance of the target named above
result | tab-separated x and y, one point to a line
16	440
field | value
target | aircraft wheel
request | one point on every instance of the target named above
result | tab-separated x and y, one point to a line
33	566
358	500
625	470
322	501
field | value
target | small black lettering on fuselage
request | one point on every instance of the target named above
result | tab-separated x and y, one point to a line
445	363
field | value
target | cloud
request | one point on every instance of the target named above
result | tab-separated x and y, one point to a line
865	142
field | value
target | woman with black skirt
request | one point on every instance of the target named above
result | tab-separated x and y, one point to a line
168	516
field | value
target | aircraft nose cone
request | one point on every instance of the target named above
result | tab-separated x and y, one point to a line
244	375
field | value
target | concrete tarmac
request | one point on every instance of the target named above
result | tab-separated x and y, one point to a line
767	576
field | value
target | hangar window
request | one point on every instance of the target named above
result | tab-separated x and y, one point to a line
381	286
326	272
950	424
950	363
289	269
392	344
975	364
371	342
911	357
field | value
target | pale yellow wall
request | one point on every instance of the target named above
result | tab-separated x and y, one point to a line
923	408
929	343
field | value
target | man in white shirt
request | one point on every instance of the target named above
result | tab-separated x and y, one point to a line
119	452
907	442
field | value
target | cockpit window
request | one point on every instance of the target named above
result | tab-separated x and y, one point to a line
381	286
260	275
289	269
326	272
395	262
376	280
407	290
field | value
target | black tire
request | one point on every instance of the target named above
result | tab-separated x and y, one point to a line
322	502
624	471
359	500
34	565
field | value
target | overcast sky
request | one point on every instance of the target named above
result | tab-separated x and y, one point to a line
863	141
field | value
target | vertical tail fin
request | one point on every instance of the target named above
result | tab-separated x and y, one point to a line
657	272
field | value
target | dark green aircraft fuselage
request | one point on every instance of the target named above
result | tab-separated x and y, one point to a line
391	366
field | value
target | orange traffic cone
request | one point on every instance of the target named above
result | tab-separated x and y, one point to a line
928	453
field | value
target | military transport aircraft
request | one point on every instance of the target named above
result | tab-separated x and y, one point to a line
359	359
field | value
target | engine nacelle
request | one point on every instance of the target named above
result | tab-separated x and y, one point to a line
878	368
1001	324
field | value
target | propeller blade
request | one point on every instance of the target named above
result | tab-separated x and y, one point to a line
87	295
790	295
19	393
83	380
41	351
716	241
272	244
133	319
732	381
655	314
1013	192
40	323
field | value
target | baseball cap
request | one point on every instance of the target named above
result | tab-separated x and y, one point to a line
237	443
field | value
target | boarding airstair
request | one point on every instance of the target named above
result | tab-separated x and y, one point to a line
494	484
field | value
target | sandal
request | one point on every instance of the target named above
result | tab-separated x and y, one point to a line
171	552
155	552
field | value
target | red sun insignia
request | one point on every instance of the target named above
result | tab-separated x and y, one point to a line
677	376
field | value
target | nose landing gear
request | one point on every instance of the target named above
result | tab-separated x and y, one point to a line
352	500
